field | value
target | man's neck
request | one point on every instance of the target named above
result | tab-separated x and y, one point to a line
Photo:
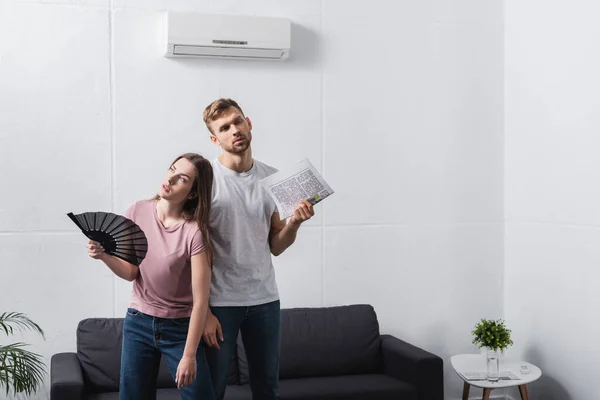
237	162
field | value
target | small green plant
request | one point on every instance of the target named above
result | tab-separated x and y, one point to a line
492	334
21	371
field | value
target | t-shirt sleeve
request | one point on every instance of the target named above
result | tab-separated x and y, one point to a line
273	203
129	212
198	245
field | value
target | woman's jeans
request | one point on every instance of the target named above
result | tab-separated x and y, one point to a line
145	338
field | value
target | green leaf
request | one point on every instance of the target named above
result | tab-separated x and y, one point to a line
11	321
21	369
492	334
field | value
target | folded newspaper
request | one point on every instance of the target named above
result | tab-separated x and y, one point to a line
482	376
298	181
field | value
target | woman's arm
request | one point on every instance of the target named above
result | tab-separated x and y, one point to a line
121	268
201	275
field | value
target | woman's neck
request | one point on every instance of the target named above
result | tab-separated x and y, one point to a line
168	212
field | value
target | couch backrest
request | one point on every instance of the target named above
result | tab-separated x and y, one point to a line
322	341
99	343
325	341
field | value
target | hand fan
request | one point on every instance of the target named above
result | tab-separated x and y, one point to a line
119	236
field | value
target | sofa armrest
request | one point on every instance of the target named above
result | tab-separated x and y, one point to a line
413	365
66	379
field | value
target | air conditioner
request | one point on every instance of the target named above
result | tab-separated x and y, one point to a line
227	36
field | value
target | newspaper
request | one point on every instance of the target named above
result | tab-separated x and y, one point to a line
482	376
299	181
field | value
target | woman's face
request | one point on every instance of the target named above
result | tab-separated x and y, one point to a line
178	182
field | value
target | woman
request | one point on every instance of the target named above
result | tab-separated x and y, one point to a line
170	291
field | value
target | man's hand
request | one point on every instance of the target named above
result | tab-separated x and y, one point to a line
303	212
186	371
212	328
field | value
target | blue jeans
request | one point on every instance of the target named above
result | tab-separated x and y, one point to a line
145	338
261	333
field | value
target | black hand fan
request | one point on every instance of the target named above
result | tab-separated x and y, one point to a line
119	236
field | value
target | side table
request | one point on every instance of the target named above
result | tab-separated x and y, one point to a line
463	363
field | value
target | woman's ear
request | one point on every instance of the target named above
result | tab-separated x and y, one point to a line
192	195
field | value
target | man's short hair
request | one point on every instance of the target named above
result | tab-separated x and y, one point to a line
217	108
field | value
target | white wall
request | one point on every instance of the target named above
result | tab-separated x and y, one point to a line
400	104
412	142
552	192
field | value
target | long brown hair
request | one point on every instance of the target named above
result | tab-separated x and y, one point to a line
198	207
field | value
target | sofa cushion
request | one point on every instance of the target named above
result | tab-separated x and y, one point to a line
238	392
349	387
161	394
325	341
103	396
99	352
99	343
233	392
165	379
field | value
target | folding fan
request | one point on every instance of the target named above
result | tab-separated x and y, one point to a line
119	236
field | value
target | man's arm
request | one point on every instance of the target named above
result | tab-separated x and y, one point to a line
282	235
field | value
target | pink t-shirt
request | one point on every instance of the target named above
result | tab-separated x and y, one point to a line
163	287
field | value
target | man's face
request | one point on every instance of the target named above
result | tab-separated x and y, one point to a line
231	131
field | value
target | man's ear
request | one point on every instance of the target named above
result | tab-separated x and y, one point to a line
214	139
249	122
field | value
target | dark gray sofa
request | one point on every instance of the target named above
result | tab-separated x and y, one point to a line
326	353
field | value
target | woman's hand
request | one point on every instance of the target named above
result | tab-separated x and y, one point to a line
186	371
95	250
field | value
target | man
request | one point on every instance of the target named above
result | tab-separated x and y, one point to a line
245	231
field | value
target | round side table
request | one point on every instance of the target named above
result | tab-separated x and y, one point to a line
463	363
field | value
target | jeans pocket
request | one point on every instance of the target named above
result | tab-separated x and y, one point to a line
132	311
181	321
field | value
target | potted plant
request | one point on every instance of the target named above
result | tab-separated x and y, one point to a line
494	336
21	371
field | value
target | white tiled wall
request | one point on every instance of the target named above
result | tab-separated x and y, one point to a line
552	192
399	104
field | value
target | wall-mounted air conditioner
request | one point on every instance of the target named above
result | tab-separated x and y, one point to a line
227	36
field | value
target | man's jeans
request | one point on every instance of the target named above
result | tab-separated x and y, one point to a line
260	327
145	338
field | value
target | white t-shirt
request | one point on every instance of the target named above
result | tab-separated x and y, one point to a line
240	221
